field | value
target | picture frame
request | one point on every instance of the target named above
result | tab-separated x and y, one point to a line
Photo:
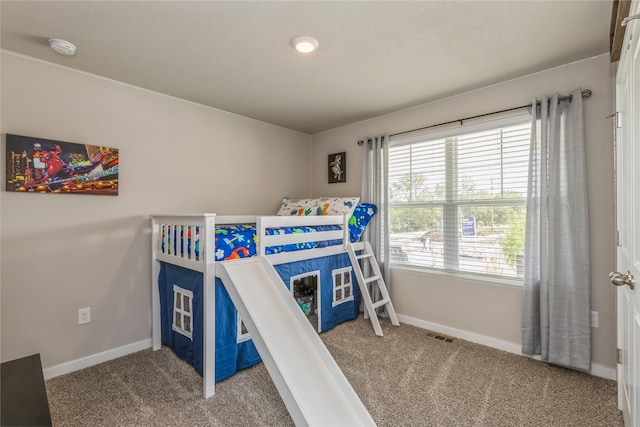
337	164
38	165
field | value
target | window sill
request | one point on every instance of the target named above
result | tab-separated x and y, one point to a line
498	281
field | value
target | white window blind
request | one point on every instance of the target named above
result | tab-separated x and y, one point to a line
457	198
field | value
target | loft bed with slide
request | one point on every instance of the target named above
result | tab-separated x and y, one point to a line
230	291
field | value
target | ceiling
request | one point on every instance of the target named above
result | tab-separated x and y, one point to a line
374	57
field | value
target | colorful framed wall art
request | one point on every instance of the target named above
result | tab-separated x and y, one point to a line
37	165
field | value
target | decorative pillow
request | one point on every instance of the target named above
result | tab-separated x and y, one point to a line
318	206
337	205
299	207
359	220
362	215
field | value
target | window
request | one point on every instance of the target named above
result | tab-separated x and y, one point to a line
183	311
342	286
457	199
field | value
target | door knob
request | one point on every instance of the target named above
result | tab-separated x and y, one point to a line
620	279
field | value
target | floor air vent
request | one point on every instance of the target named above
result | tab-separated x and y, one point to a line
439	337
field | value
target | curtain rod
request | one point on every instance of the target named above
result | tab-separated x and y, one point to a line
586	93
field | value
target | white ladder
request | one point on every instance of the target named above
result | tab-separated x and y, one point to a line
365	282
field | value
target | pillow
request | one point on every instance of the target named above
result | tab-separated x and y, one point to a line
337	205
299	207
318	206
359	220
362	215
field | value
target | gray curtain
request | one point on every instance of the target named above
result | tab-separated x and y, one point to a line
557	288
374	190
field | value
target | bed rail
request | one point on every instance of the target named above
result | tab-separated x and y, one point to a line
178	239
266	240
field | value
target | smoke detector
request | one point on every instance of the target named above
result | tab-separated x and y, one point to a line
62	47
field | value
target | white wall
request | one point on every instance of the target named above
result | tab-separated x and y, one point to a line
478	307
62	252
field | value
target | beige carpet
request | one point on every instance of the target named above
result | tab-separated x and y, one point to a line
405	378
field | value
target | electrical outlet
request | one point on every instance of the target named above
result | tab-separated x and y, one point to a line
84	315
594	319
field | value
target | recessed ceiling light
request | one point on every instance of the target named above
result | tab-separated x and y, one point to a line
305	44
62	47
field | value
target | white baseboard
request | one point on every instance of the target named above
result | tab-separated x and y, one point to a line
75	365
596	369
604	371
94	359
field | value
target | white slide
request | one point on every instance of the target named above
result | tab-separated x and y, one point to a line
310	382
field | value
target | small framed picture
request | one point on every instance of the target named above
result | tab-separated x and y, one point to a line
337	167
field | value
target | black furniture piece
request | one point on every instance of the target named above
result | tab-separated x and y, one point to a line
23	401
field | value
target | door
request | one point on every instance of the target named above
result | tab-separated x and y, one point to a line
628	223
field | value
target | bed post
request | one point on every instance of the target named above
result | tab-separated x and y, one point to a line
346	239
261	250
207	251
155	292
